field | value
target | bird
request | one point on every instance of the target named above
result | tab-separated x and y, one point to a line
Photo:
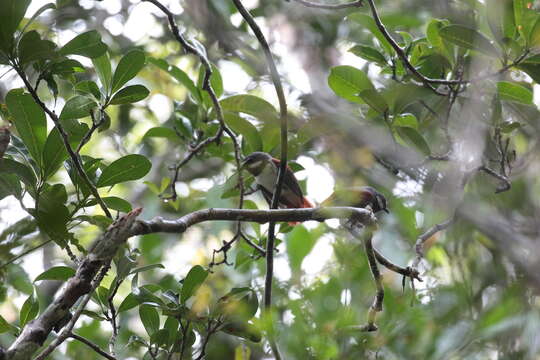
265	169
360	197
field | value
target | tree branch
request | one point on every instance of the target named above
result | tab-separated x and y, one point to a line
100	253
274	74
207	86
331	7
74	157
419	247
92	346
180	225
377	305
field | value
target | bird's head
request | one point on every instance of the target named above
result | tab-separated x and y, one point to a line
377	201
256	162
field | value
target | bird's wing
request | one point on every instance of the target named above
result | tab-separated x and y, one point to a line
290	180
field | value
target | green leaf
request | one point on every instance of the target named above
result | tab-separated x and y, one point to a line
146	268
193	280
239	305
9	185
510	126
29	310
469	39
78	107
406	120
251	105
128	303
56	273
347	82
11	14
66	67
413	138
29	119
54	153
300	242
32	48
179	75
368	53
161	132
52	214
87	44
23	172
500	16
215	80
127	168
128	67
150	318
88	87
241	126
510	91
534	36
117	203
375	100
130	94
368	23
40	11
102	64
533	70
244	330
4	325
434	37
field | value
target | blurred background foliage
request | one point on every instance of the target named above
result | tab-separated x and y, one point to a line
479	298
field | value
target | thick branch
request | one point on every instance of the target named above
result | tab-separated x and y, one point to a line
260	216
35	332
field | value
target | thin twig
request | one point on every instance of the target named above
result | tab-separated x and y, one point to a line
332	6
15	258
419	247
377	305
65	139
505	183
424	79
71	324
274	74
92	346
207	86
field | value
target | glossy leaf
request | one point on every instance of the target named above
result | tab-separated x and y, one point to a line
406	120
193	280
127	168
161	132
510	91
54	153
89	88
414	138
348	82
130	94
246	129
128	67
368	53
23	172
251	105
11	14
29	119
179	75
29	310
87	44
32	48
469	39
150	318
78	107
102	64
56	273
374	99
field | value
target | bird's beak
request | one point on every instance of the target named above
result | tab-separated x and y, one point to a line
386	211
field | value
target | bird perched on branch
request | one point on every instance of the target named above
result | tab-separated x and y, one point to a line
265	169
361	197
